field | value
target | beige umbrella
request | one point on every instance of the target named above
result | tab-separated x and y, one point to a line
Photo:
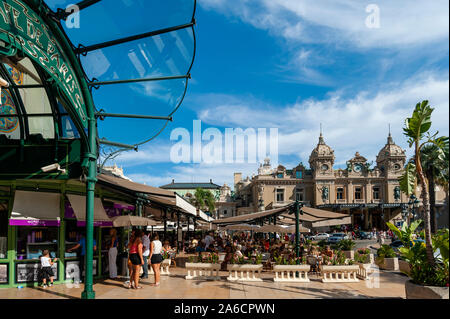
242	227
128	221
291	229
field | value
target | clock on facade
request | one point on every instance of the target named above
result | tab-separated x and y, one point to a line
357	168
324	167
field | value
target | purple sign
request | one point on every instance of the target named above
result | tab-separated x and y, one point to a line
34	222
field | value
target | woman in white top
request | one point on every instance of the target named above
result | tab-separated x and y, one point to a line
156	258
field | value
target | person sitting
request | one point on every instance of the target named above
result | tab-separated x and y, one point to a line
166	247
328	252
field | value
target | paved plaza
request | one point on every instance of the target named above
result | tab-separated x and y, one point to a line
175	286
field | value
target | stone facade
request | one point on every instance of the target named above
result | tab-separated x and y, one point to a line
370	195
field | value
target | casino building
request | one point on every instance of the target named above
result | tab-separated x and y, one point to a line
371	196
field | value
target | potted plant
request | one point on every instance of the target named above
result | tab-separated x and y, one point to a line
429	263
427	281
347	245
387	258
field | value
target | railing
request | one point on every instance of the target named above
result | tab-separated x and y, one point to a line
244	272
287	273
202	271
339	273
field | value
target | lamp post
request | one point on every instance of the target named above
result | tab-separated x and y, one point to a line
413	203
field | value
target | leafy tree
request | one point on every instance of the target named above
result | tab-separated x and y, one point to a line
416	129
435	165
204	200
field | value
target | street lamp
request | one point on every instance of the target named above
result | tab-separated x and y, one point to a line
413	203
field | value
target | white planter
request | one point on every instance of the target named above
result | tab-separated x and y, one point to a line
202	271
364	271
252	272
389	264
349	254
414	291
286	273
339	273
404	266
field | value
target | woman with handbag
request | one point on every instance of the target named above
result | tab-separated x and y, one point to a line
156	258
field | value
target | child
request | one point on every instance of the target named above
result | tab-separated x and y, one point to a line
46	268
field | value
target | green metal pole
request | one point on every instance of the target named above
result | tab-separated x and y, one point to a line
88	292
91	152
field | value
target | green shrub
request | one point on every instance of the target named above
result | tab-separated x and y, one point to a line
322	243
346	244
362	256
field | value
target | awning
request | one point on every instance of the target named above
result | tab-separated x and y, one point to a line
281	229
243	227
253	216
333	222
186	206
36	209
135	187
78	204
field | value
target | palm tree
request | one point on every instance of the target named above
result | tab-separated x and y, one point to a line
204	200
435	167
416	129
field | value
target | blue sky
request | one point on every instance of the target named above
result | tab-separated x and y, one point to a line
292	64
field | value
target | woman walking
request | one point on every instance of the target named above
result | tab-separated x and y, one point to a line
112	253
156	258
136	259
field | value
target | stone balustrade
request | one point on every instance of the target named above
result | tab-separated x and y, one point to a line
287	273
339	273
202	271
364	271
244	272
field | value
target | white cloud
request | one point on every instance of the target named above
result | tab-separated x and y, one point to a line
402	23
359	123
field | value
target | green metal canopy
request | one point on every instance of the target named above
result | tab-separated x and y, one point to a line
62	65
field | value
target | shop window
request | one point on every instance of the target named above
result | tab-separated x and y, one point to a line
340	193
376	193
32	241
280	195
358	193
299	195
3	230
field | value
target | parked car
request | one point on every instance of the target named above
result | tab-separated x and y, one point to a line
365	235
337	237
397	244
321	236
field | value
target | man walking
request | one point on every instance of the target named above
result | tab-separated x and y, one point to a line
145	253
